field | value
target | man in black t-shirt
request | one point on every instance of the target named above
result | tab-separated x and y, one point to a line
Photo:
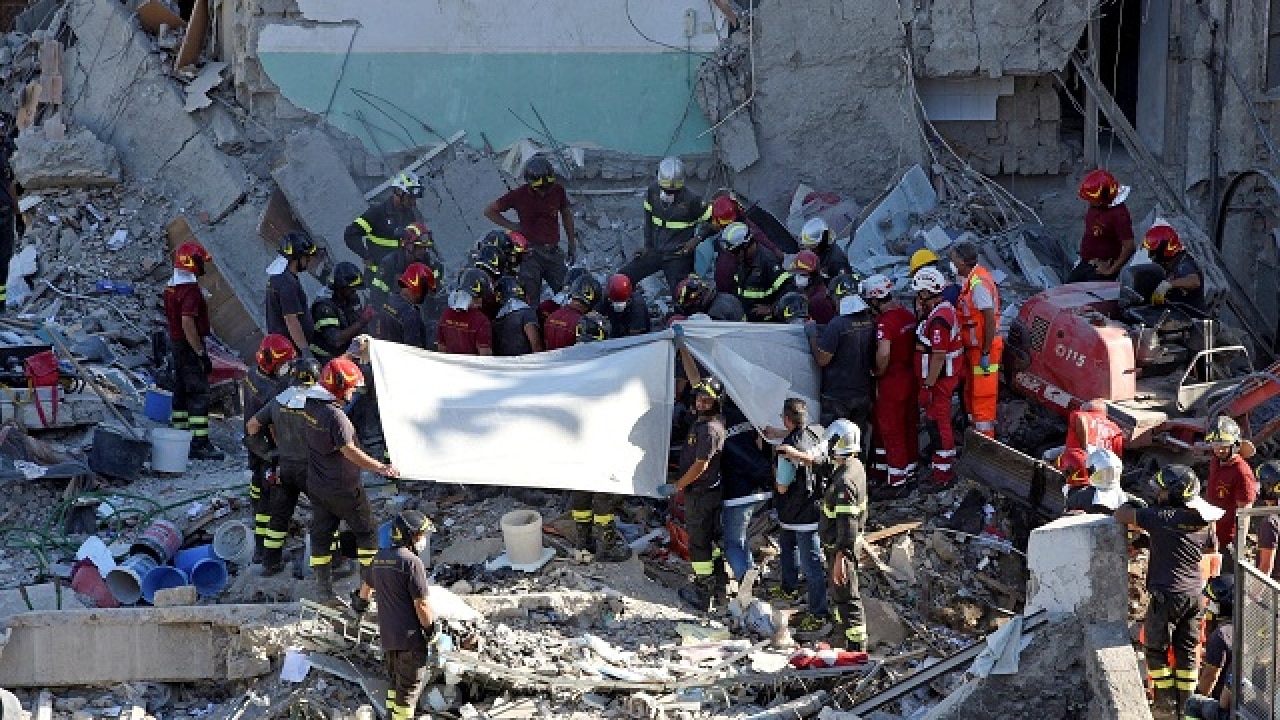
287	311
699	479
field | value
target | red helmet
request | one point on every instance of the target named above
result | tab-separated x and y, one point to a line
692	295
192	257
274	353
1162	242
417	234
418	276
519	245
724	211
1073	463
1099	187
340	375
618	288
806	261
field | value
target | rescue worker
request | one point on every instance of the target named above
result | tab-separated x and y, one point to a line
1231	483
407	626
1090	427
1215	663
923	258
671	216
1183	282
939	352
1102	495
760	280
379	230
817	238
624	307
12	227
560	329
896	415
399	320
809	280
515	329
464	328
726	209
339	318
286	419
699	479
798	502
844	517
845	351
259	386
1269	530
1180	528
187	316
694	295
417	245
541	206
287	310
746	471
791	309
490	259
1107	244
334	462
979	312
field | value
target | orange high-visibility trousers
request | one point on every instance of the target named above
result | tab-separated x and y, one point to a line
982	389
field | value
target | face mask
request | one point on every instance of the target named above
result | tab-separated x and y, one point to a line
668	196
1215	608
420	546
619	306
802	281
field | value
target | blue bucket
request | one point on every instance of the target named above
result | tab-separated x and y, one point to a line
161	577
208	571
125	580
384	535
158	404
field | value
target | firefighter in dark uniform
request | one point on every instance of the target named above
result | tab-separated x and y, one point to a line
417	245
187	316
399	320
672	213
407	627
625	307
515	329
760	280
1181	528
378	231
287	311
339	318
334	462
285	419
257	390
844	516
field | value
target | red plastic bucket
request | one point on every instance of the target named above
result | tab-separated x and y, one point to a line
161	540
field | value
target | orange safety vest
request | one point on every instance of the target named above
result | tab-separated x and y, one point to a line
973	322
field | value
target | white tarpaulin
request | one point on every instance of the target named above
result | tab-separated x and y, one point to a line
589	417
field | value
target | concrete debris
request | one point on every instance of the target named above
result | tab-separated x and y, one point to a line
77	160
198	89
322	194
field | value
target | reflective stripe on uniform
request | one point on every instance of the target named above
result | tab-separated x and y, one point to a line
328	322
844	510
603	519
755	293
703	567
582	516
991	369
373	238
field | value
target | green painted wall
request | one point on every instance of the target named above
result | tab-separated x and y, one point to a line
632	102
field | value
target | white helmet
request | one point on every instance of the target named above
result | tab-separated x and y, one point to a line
671	173
408	182
814	233
929	279
843	438
877	287
735	235
1105	469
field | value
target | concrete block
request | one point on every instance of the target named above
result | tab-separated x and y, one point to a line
320	190
1116	682
44	596
171	597
76	160
1078	565
455	198
736	140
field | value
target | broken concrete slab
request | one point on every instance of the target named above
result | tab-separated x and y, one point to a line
45	596
1078	566
198	90
992	38
568	603
883	624
455	197
320	190
889	216
469	552
1116	682
77	160
175	597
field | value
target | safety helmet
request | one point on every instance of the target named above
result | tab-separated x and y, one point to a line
1104	468
692	295
1099	187
515	246
192	257
814	233
507	288
805	261
929	280
671	174
538	171
735	236
476	283
877	287
724	210
586	290
618	288
1162	242
592	327
921	258
793	307
1223	431
1221	592
490	259
1179	481
843	438
1073	463
842	286
274	352
493	238
347	275
340	375
296	245
417	233
1269	480
408	183
418	277
710	387
406	525
304	371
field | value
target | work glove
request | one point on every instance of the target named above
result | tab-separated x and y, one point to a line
925	396
985	363
358	604
810	329
206	364
1162	290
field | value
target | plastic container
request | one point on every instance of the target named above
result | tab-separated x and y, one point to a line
169	450
125	581
158	404
161	577
233	542
160	540
116	454
786	473
522	535
207	571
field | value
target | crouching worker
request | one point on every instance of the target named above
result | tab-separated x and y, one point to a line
844	515
398	580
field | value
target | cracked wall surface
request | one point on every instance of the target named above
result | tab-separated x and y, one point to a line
991	38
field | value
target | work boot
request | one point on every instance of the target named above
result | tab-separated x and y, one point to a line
720	576
258	549
324	586
202	448
699	593
583	536
883	493
272	563
610	547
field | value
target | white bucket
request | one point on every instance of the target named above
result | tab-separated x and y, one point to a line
169	450
233	542
522	535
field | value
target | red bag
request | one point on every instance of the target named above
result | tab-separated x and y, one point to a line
41	370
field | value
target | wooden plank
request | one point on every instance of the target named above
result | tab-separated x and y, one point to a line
154	13
885	534
413	166
193	41
27	107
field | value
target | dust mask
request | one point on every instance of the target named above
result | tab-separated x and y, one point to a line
619	306
802	281
420	546
1215	608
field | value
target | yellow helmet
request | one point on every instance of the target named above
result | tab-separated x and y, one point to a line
922	257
